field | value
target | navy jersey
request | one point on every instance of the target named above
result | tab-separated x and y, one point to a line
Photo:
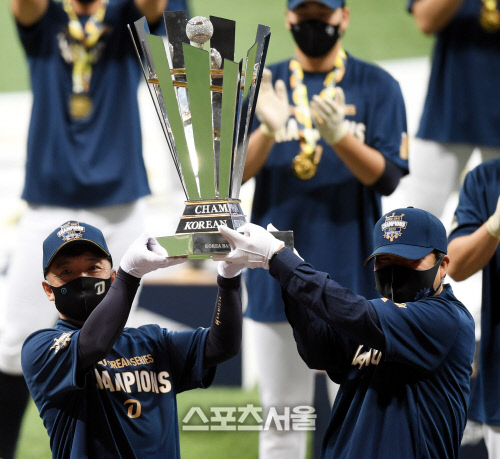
412	397
477	202
125	406
96	161
407	399
332	215
462	98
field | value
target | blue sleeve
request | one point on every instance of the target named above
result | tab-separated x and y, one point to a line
389	179
418	334
49	362
332	321
186	351
387	127
105	324
318	344
32	37
478	199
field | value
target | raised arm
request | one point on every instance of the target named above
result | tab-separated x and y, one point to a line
351	315
105	324
432	15
224	338
28	12
305	288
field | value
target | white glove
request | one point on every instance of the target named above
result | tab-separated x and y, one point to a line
272	104
229	270
271	227
254	248
328	116
493	223
146	255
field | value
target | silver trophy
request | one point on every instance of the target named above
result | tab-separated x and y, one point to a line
205	102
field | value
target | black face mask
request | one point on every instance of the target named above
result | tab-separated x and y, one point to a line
78	298
401	284
315	38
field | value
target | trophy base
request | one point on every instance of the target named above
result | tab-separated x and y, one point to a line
203	245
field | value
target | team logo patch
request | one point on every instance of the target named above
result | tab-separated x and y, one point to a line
71	230
61	342
393	226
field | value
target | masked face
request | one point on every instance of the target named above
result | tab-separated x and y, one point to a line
78	298
315	38
401	284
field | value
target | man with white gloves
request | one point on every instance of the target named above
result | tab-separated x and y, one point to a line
103	390
328	141
474	246
403	361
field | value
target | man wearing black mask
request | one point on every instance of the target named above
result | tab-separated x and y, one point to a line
329	141
105	391
403	361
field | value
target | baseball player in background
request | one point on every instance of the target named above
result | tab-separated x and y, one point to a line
84	155
460	111
329	141
403	361
473	246
108	392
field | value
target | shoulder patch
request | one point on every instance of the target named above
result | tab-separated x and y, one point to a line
61	342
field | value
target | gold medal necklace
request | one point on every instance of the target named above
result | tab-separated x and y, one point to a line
305	164
80	103
490	17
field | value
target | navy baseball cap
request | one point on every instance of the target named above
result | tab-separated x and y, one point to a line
70	233
333	4
409	233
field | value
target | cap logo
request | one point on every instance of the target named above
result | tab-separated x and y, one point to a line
393	225
71	230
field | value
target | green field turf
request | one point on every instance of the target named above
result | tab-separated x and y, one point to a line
379	29
34	442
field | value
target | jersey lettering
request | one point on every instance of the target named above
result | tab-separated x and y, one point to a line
358	130
291	132
137	381
119	383
165	384
145	381
124	362
106	381
371	356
